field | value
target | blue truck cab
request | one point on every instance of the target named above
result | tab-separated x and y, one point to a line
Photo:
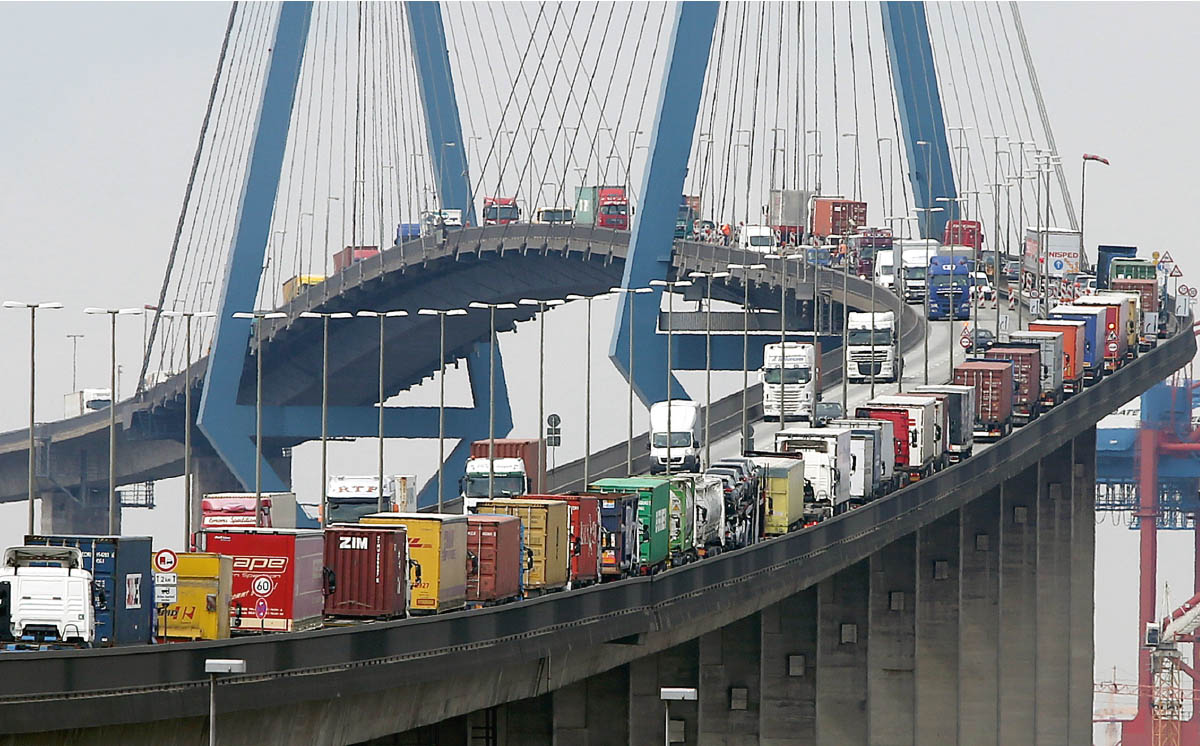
949	286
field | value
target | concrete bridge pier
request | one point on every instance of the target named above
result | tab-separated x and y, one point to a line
65	513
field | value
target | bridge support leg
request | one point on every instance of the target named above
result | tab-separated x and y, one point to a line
679	666
527	722
788	667
1082	556
1053	596
936	676
730	682
64	514
1018	608
842	629
595	711
979	620
890	701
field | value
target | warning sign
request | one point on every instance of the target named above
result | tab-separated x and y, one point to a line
1176	272
1112	336
1166	258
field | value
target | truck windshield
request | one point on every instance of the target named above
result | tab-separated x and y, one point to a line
349	511
556	216
864	336
914	273
678	440
613	209
502	486
502	212
762	240
787	375
941	281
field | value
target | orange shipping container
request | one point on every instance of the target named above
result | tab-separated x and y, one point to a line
1073	346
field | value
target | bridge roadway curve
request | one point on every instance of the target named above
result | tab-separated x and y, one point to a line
344	685
490	264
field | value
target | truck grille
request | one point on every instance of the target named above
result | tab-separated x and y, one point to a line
880	355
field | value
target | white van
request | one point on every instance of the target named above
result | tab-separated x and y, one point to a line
682	448
759	238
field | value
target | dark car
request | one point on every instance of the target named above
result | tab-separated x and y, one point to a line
824	411
982	339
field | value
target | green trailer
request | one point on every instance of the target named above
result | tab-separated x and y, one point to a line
682	523
1131	269
654	509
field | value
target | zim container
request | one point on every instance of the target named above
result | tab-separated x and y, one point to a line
366	571
437	548
494	541
584	514
123	582
205	587
547	534
276	577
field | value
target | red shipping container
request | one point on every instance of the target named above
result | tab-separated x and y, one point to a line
899	420
527	449
834	216
352	254
276	577
584	512
993	382
495	543
366	571
1027	373
1148	289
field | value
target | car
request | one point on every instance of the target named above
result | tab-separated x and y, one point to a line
982	339
744	466
1012	270
981	286
824	411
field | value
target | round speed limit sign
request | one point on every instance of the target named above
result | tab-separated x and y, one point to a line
965	342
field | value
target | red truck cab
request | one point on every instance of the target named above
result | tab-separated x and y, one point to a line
613	209
500	211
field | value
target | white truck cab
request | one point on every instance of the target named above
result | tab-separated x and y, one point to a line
508	479
759	238
872	345
46	596
675	436
828	463
789	378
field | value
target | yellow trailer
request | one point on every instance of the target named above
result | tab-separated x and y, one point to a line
292	287
201	611
546	535
783	492
437	553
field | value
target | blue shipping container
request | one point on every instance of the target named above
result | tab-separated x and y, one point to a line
123	582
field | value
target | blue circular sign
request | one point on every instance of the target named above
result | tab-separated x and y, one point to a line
260	608
1058	263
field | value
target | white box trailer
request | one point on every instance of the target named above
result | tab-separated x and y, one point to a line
881	454
827	461
922	429
960	416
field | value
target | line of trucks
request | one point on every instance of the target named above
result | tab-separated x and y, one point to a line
255	572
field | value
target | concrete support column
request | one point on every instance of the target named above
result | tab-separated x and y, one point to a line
891	706
1082	600
65	514
788	708
1053	644
842	628
1018	609
527	722
730	691
936	672
677	666
979	620
595	711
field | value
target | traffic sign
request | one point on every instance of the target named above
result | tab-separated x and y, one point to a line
260	608
553	420
1184	290
553	441
965	342
166	594
1191	292
1166	258
1176	271
1004	323
165	560
1112	336
166	578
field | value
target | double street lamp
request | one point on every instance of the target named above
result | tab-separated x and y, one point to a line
325	317
629	293
669	289
189	500
257	317
542	306
491	307
114	505
745	268
381	315
442	314
587	397
928	242
708	278
33	309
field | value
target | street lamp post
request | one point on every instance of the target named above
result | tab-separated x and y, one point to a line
442	314
491	308
745	268
33	309
114	506
257	317
854	172
189	520
708	278
381	315
898	287
325	317
214	667
927	240
670	694
74	359
1083	193
542	305
952	303
629	293
587	397
669	289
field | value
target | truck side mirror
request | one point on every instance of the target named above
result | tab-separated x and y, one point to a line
328	581
414	569
912	439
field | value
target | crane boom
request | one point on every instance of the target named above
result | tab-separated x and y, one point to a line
1182	621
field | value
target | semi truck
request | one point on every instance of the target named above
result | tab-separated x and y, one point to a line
1148	291
516	470
960	416
86	401
45	598
348	498
1058	258
675	435
787	213
1073	359
914	263
915	423
993	383
1113	327
653	518
1105	255
553	216
1027	395
1093	337
757	238
501	211
827	462
872	346
967	233
949	281
602	207
837	216
790	379
1050	359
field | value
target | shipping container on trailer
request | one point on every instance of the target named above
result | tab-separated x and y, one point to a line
547	533
1148	290
276	577
366	572
494	541
837	216
619	534
1027	372
584	548
123	582
920	429
1093	337
1050	361
437	548
295	285
1114	333
960	407
352	255
993	382
1072	363
653	515
941	425
204	589
783	492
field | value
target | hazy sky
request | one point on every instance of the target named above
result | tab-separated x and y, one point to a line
103	102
